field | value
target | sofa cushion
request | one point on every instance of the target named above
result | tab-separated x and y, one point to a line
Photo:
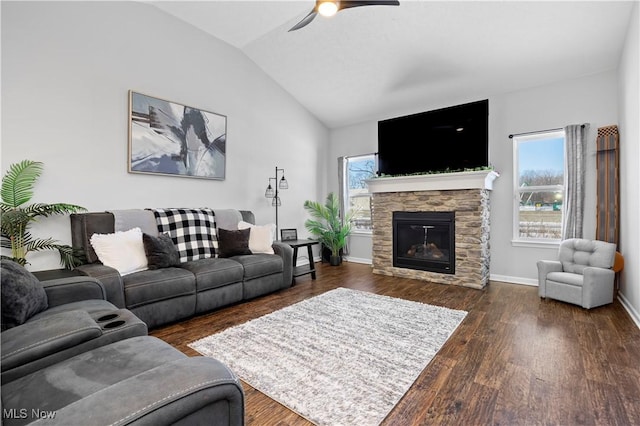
160	251
124	220
193	231
259	265
566	278
150	286
22	294
233	243
214	273
121	250
576	254
227	218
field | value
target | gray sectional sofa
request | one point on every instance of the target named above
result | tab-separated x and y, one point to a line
169	294
70	357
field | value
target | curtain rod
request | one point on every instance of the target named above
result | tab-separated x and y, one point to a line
538	131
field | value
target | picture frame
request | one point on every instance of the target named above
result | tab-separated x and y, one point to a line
288	234
169	138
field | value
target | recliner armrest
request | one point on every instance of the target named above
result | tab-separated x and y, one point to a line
73	289
198	388
110	278
597	287
544	268
40	338
285	251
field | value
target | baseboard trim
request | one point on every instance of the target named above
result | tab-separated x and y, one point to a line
514	280
358	260
635	316
304	261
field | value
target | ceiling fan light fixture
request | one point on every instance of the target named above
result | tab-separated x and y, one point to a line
328	8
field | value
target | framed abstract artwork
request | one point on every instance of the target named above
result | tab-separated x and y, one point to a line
168	138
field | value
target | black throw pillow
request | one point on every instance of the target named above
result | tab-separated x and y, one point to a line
160	251
22	294
233	243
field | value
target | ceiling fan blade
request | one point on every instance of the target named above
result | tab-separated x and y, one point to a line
346	4
305	21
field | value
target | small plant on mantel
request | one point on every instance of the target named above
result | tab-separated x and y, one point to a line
16	217
436	172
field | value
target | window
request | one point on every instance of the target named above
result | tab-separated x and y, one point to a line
538	185
358	169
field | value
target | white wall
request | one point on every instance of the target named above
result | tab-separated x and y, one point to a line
629	99
590	99
66	71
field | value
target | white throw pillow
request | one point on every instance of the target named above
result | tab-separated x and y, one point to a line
122	250
261	237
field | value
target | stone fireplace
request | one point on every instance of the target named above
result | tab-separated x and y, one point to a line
464	195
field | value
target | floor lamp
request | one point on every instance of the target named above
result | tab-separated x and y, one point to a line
273	194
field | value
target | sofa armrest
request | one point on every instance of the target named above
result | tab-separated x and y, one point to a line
61	291
197	390
40	338
544	268
110	279
285	251
597	287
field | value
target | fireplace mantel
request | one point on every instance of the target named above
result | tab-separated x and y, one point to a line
482	179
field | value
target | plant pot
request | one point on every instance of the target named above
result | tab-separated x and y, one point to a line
335	260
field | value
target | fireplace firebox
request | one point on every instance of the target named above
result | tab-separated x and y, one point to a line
424	241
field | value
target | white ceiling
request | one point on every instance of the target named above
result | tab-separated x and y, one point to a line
369	63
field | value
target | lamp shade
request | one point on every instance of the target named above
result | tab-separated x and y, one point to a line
283	183
276	202
269	192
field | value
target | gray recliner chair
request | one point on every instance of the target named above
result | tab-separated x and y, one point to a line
582	275
69	357
45	322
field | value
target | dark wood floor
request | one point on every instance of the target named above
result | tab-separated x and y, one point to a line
515	359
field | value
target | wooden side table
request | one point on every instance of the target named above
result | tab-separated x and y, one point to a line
302	270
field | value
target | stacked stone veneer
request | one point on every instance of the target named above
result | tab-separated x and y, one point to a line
471	207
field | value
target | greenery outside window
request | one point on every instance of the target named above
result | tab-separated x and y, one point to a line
538	186
358	169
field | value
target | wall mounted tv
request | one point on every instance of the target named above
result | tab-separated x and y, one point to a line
453	138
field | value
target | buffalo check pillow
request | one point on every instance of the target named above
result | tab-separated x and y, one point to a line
193	231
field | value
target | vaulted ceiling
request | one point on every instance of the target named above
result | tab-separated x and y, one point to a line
369	63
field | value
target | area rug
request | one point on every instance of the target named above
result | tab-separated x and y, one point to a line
345	357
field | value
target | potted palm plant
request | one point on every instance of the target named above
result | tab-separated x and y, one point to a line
16	217
327	226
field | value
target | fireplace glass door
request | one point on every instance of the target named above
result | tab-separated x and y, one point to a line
424	241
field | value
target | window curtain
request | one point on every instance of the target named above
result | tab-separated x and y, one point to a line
343	162
575	159
608	201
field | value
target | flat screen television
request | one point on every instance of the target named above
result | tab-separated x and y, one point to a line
453	139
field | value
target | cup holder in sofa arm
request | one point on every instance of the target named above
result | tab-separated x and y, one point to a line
114	324
107	317
121	321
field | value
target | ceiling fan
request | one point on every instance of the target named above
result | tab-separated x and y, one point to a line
331	7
